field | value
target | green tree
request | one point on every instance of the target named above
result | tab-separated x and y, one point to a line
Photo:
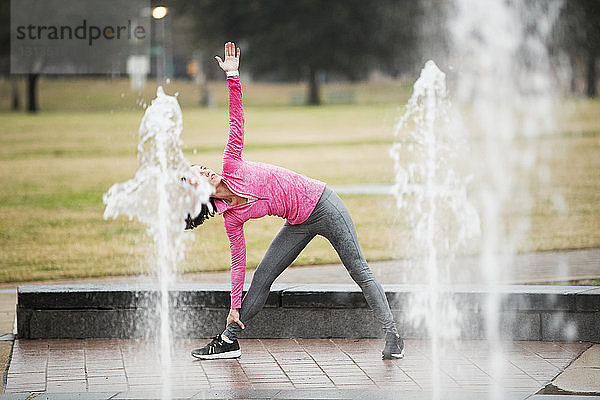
5	53
32	79
299	39
579	34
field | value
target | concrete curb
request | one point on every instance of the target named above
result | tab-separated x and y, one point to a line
548	313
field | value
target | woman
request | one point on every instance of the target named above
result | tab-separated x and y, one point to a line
248	190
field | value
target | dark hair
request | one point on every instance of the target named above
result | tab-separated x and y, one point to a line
205	213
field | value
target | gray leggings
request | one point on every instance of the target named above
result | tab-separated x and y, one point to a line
332	220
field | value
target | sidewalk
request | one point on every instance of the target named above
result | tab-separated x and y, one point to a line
547	266
528	268
280	368
301	368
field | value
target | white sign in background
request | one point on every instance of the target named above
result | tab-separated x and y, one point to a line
78	36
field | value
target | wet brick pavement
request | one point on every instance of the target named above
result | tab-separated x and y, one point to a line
116	367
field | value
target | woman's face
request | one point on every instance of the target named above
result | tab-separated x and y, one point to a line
213	178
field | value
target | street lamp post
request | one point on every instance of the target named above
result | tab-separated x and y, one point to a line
159	13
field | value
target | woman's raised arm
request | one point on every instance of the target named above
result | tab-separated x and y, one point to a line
232	60
235	142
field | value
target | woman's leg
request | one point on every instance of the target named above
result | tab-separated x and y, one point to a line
284	249
337	226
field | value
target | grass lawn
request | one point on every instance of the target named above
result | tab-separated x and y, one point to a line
55	166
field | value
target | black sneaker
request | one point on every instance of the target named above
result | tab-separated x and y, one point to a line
394	347
218	348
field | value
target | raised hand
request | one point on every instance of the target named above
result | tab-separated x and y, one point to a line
232	60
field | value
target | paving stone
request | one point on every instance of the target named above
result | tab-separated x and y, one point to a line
446	395
76	396
562	397
304	364
15	396
391	395
583	375
316	394
30	377
72	385
28	387
237	394
149	393
62	375
141	393
589	358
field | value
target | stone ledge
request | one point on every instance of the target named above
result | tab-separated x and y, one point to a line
199	309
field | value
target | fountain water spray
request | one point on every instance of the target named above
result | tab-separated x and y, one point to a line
503	95
504	78
431	194
158	197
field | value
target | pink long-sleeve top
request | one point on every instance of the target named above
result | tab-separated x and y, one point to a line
270	190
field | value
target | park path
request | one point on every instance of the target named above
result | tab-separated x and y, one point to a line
274	366
528	268
301	368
